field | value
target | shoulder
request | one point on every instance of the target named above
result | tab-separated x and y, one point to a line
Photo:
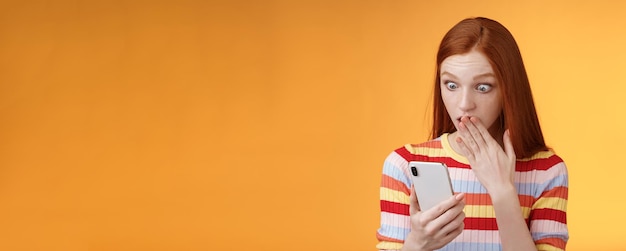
410	152
541	161
400	157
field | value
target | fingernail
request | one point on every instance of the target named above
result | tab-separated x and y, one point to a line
459	196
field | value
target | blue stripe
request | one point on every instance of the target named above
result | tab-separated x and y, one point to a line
558	181
395	172
393	232
530	189
543	235
464	186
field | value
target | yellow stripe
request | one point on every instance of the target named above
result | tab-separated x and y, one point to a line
389	245
540	155
445	143
393	195
432	152
487	211
551	202
444	151
526	211
548	247
441	152
479	211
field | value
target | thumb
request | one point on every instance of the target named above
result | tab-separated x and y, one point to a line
414	207
508	145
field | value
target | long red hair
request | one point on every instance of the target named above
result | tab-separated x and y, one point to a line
498	45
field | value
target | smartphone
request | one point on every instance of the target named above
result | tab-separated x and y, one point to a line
431	182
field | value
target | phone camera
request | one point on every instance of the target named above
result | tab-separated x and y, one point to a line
414	170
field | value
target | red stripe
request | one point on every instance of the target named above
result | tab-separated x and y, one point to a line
388	239
537	214
557	192
538	164
480	223
555	242
549	214
429	144
394	207
483	199
521	166
450	162
393	184
405	154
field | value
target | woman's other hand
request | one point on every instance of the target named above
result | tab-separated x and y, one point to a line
434	228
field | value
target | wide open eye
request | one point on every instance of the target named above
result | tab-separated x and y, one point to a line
451	85
484	87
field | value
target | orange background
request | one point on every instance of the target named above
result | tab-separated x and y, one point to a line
263	125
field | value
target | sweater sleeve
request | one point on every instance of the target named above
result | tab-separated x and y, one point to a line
394	203
548	221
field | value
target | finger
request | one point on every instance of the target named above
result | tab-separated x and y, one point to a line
414	207
448	238
508	145
482	130
452	225
442	213
464	148
465	133
473	127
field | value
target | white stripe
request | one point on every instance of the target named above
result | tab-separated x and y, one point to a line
544	226
483	236
399	162
396	220
536	177
543	176
462	174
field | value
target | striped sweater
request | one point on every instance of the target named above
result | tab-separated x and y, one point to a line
541	182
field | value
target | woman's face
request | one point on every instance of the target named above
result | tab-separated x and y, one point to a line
469	88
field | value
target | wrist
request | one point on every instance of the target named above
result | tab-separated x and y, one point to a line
411	243
503	193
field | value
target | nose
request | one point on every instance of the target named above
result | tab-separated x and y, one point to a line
467	101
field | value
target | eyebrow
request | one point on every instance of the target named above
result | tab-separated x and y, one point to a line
488	74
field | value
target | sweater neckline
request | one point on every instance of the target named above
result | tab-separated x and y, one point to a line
445	144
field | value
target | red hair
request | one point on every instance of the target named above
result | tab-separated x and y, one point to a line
518	109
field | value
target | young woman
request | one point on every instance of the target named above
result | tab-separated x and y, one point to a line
511	189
